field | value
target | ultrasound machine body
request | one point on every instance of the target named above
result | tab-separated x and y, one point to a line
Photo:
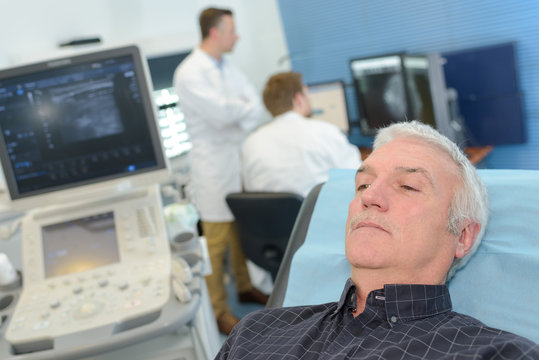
82	157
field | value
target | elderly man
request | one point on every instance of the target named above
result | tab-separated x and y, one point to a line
418	214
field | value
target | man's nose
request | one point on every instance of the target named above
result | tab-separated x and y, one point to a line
374	196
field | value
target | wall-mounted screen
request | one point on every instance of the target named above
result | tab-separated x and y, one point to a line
390	89
489	98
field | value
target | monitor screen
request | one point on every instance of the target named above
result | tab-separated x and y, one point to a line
162	69
418	85
380	90
489	99
77	121
328	103
391	89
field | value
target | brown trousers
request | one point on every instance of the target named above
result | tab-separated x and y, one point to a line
221	236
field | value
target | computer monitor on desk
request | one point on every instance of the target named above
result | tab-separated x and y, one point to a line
78	125
328	103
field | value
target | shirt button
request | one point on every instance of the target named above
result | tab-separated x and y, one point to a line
393	319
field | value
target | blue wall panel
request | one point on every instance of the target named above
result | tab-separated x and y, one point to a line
324	35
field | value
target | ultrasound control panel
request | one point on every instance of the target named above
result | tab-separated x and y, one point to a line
104	263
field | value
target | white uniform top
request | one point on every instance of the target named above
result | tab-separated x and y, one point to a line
220	108
293	154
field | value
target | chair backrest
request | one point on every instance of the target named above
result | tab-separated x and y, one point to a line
498	286
265	221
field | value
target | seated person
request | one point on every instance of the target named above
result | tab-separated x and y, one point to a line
293	153
418	214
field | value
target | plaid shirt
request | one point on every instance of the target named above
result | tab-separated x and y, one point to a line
399	322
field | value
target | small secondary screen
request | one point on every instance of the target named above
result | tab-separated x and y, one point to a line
80	245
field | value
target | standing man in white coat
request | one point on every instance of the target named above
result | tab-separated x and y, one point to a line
220	108
293	153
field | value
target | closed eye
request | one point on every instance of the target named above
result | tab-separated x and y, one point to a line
409	188
363	187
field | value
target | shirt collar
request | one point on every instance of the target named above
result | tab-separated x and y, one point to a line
217	63
401	302
288	115
348	296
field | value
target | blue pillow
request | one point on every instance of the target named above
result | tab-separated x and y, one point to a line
499	284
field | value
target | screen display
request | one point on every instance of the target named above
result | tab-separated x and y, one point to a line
162	69
328	103
380	86
392	89
489	98
79	245
419	92
75	123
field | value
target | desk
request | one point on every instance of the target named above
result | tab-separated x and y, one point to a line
476	154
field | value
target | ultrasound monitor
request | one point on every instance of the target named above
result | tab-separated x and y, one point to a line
78	125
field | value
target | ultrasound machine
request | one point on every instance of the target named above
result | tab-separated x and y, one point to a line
94	272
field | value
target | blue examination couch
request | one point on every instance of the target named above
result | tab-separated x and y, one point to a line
499	285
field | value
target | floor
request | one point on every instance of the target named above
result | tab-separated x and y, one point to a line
238	309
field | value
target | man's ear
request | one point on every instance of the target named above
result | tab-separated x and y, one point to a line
297	101
468	236
213	32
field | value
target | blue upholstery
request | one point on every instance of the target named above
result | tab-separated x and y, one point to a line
499	285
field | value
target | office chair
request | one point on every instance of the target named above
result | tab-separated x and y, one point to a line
265	221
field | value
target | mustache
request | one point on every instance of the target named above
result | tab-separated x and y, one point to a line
368	217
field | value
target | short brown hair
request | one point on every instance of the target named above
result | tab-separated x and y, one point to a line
280	91
210	18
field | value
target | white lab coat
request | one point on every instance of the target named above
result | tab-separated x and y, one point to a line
293	154
221	107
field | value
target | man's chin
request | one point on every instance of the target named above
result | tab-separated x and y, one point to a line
365	255
367	264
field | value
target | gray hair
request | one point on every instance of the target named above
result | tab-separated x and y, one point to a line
470	201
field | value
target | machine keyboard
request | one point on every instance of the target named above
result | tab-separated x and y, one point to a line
69	305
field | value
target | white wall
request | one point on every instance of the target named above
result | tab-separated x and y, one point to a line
32	29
